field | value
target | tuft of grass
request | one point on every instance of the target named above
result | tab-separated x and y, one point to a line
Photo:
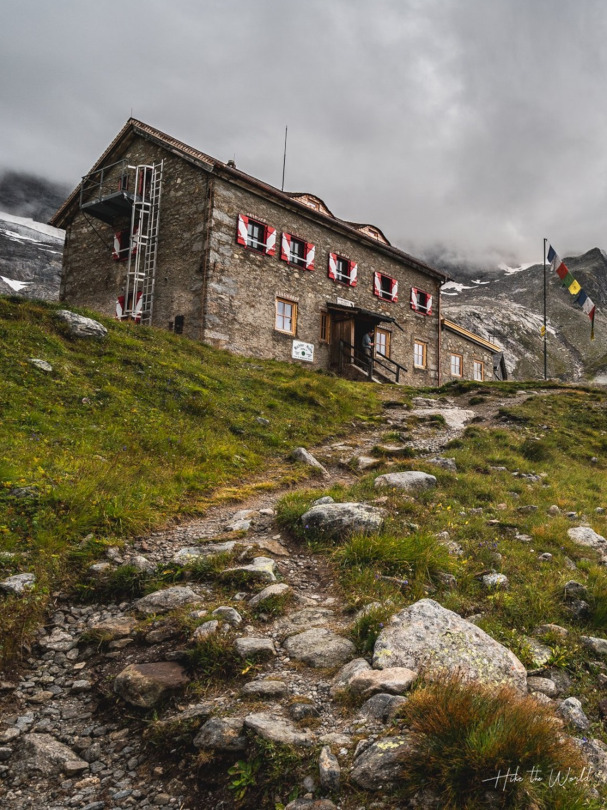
369	625
214	658
463	735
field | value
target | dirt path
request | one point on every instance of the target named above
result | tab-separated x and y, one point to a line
66	743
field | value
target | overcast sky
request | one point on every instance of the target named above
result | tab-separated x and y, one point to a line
472	126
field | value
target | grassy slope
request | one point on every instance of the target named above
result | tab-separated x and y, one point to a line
560	436
128	431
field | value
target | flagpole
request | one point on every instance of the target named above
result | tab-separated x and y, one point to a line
545	330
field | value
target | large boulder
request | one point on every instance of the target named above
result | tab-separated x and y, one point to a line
81	327
18	584
320	647
145	685
342	519
411	480
585	536
166	600
426	636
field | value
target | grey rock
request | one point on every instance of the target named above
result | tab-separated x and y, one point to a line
222	734
341	682
239	525
556	629
277	729
185	718
329	770
165	600
81	327
394	680
575	590
268	690
41	364
495	582
544	685
585	536
578	608
540	653
366	462
18	584
545	557
192	553
229	615
260	570
42	753
5	753
301	620
252	647
321	501
411	480
311	804
303	455
303	708
145	685
320	647
571	711
380	765
595	644
445	463
595	754
280	589
100	569
382	706
343	519
110	629
553	510
427	636
205	630
141	563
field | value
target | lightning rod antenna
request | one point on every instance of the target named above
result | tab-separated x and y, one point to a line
284	162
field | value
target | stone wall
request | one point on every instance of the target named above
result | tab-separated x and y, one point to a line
243	285
469	351
91	278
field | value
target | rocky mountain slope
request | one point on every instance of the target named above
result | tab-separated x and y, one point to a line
30	250
507	307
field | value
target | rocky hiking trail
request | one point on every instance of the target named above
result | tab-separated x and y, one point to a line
75	722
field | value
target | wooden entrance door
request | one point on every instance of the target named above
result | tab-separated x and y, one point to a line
342	328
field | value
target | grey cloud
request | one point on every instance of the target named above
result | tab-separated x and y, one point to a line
473	125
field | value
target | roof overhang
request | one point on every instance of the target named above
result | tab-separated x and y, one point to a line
353	311
471	336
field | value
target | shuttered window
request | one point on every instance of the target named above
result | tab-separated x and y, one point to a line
256	235
385	287
343	270
297	251
421	301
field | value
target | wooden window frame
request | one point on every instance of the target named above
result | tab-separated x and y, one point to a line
476	362
424	346
388	334
453	355
293	305
325	327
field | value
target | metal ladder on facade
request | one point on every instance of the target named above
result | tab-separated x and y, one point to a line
141	269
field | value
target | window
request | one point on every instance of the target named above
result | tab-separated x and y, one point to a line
385	287
286	316
342	270
297	252
419	354
478	370
421	301
255	235
178	327
456	365
325	327
382	342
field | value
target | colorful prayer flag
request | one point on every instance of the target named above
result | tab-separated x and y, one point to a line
562	271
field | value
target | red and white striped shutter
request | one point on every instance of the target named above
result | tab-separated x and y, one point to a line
310	251
333	265
394	290
270	241
285	247
376	284
429	305
414	298
116	250
138	307
242	232
353	274
119	306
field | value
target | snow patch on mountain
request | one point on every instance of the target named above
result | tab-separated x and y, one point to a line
14	284
32	225
511	270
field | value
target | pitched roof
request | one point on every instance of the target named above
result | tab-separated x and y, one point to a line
459	330
134	127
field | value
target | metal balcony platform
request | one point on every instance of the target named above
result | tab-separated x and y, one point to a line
109	207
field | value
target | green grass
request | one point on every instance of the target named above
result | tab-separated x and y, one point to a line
128	431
